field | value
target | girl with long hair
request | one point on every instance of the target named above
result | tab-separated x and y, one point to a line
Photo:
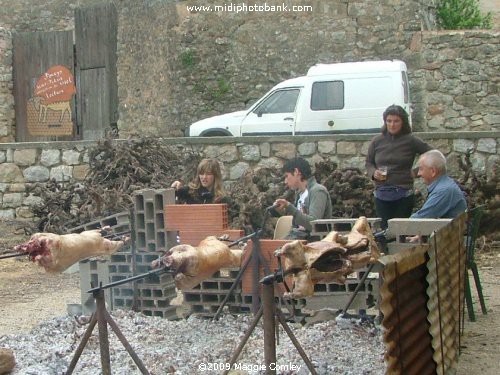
206	187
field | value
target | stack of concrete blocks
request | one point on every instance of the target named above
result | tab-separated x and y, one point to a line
401	229
95	271
193	223
153	294
334	295
206	298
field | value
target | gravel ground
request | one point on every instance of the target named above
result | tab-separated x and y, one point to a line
197	346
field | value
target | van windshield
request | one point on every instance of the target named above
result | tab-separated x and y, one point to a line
281	101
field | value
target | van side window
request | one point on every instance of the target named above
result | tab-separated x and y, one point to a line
282	101
327	95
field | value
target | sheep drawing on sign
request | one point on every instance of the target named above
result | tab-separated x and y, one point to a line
42	107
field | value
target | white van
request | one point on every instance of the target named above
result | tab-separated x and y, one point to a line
332	98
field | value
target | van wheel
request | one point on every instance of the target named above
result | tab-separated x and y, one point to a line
215	134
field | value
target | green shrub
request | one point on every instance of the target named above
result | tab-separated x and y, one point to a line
187	58
462	14
223	86
212	91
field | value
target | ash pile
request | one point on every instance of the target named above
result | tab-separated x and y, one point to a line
190	346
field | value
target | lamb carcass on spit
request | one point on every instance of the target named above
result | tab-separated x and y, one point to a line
56	252
192	264
329	260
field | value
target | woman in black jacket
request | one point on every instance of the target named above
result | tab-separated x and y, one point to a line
389	163
207	187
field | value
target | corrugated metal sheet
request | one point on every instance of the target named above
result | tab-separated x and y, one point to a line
421	301
404	307
446	267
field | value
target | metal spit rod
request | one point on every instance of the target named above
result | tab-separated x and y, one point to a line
129	279
13	255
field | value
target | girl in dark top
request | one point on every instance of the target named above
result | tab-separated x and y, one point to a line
389	163
206	187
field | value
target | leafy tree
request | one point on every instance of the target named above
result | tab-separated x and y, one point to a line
462	14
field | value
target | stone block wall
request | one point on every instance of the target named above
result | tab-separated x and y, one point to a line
194	65
455	81
7	115
24	164
176	65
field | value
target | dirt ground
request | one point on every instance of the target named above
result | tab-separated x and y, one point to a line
29	296
481	340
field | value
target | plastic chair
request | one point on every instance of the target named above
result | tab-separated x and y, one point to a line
283	227
474	218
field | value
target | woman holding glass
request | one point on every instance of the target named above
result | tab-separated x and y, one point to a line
389	163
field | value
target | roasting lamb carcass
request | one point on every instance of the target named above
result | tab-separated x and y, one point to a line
312	263
56	252
192	264
329	260
359	240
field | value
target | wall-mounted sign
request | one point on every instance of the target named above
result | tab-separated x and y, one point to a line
49	109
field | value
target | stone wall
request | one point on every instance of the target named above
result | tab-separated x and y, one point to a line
183	66
7	114
24	164
455	80
176	66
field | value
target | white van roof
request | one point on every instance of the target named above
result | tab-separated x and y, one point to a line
292	82
358	67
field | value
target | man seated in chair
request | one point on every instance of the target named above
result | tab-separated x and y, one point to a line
312	200
445	200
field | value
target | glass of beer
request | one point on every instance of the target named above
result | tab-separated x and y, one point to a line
383	172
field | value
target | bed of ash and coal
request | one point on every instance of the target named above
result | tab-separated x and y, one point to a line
341	346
